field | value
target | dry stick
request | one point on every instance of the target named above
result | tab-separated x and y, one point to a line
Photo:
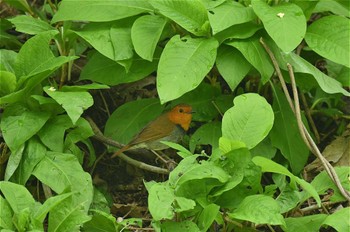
100	137
311	120
304	133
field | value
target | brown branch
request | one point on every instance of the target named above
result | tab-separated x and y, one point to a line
100	137
303	131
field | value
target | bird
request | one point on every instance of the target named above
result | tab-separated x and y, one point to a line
169	126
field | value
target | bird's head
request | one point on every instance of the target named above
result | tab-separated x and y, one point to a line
181	115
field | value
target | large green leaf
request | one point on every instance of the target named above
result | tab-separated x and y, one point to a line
52	134
17	196
189	14
249	120
30	25
228	14
36	56
18	124
112	39
145	33
104	70
285	134
267	165
160	199
286	24
99	11
232	65
31	156
300	65
130	118
329	37
6	215
73	102
183	65
311	223
66	175
259	209
256	55
339	220
8	83
208	134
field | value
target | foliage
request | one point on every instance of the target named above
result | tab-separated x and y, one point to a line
205	53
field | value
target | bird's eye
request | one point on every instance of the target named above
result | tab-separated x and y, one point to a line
181	110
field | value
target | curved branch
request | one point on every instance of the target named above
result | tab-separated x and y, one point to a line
100	137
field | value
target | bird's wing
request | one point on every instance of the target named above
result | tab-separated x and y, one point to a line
157	129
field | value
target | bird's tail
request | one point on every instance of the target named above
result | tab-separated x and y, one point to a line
121	150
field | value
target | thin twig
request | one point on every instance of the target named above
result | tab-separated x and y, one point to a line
304	133
100	137
310	119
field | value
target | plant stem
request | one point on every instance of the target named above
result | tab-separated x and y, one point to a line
303	131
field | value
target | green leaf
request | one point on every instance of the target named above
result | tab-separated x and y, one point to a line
8	83
130	118
160	200
48	205
67	216
208	134
285	134
29	25
18	197
103	70
112	39
182	152
184	165
63	173
249	120
232	65
6	215
335	6
8	58
339	220
31	156
101	221
20	4
228	14
185	225
18	124
268	165
13	162
322	183
311	223
264	149
259	209
189	14
329	37
145	34
97	11
52	133
207	216
240	31
256	55
203	171
183	65
73	102
327	84
182	204
286	24
36	57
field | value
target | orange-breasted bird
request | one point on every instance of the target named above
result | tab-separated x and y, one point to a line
169	126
